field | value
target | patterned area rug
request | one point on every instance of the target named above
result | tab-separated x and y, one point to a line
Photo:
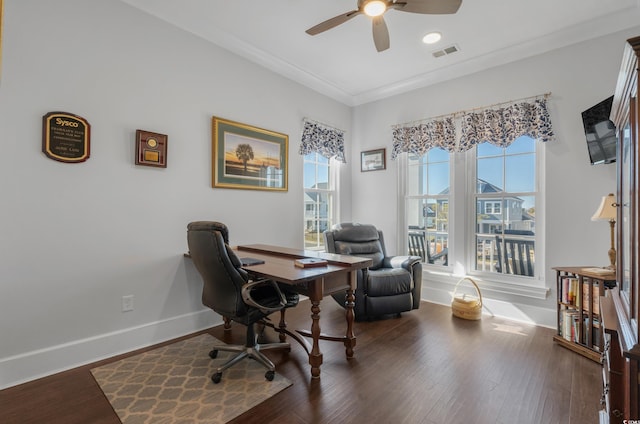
172	384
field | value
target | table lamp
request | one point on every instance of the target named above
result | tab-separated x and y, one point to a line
607	211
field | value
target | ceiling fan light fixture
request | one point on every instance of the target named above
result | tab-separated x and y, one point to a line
432	38
375	8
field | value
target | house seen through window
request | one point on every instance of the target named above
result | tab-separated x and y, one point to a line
319	199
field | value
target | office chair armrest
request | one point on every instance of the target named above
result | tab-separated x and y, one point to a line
405	262
267	309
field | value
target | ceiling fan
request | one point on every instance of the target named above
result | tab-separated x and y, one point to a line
376	8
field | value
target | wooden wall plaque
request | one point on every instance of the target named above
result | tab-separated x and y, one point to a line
66	137
151	149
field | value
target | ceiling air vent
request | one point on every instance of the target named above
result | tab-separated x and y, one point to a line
446	51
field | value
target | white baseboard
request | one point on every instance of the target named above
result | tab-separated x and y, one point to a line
509	310
32	365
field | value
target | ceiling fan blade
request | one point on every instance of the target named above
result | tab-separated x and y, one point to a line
429	7
333	22
380	33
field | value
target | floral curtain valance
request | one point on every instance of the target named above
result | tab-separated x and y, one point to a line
322	139
500	126
503	126
418	139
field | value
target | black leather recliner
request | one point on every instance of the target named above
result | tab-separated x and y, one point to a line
390	286
229	291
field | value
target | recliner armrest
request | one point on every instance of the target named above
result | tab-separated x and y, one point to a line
405	262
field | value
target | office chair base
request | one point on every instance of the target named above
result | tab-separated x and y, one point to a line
251	352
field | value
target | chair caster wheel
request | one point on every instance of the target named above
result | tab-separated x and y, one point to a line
217	377
269	375
213	354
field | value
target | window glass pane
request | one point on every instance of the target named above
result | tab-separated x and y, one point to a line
418	214
309	171
317	217
318	200
523	214
438	155
428	225
520	170
490	175
322	177
488	149
428	215
487	225
438	178
417	179
523	144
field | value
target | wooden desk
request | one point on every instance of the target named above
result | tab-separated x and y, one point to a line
339	275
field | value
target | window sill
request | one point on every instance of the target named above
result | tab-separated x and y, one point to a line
509	285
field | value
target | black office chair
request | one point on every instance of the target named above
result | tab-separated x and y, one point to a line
229	291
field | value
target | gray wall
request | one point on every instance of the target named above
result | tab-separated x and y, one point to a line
75	238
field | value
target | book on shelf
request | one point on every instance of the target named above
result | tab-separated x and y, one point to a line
570	331
569	327
586	302
569	290
310	262
570	294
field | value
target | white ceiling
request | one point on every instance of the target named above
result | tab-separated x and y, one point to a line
343	62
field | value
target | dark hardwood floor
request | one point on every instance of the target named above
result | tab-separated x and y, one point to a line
425	367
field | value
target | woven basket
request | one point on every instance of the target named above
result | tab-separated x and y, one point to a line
465	306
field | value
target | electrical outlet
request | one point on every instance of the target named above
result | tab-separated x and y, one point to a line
127	303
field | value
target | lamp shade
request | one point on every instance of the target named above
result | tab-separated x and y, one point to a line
607	209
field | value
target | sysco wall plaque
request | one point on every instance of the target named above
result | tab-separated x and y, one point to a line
66	137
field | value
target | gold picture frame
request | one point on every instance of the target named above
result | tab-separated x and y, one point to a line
248	157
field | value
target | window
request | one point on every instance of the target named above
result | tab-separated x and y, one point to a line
505	198
492	207
427	205
320	187
496	233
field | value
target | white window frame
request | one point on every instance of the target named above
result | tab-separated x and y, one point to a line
333	193
462	217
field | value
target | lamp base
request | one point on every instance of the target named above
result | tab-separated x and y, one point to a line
612	259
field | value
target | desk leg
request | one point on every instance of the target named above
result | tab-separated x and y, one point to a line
350	338
315	356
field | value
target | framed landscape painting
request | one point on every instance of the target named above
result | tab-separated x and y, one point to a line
247	157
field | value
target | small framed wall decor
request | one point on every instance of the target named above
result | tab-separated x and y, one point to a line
373	160
151	149
66	137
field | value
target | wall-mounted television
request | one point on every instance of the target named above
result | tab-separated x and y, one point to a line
601	134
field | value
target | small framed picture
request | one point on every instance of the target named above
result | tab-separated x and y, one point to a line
151	149
373	160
